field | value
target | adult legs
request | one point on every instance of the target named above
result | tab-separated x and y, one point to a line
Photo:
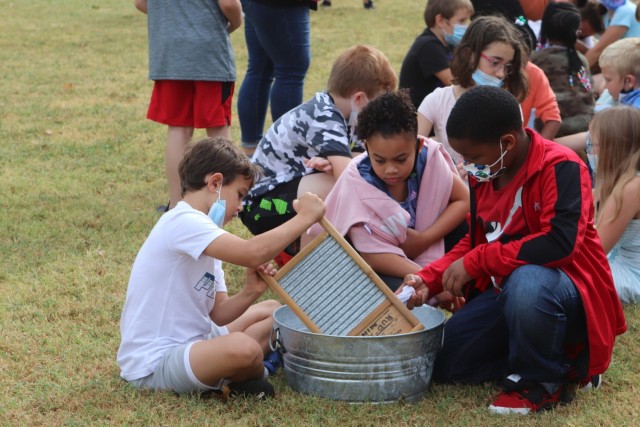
278	42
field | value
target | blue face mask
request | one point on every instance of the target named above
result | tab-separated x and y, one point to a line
218	211
455	38
483	79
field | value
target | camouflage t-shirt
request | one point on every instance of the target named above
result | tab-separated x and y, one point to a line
315	128
575	103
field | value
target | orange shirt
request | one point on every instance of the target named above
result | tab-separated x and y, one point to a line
533	9
540	96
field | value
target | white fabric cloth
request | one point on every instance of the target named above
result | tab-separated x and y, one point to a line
171	292
436	107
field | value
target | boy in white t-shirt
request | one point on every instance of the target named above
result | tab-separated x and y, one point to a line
177	290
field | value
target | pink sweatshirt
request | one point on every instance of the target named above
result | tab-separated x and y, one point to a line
354	202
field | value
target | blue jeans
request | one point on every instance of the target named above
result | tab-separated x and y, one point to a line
523	329
278	43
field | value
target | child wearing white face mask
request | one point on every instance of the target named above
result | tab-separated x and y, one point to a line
308	147
490	54
177	288
426	66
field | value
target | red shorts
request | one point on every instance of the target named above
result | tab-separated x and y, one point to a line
187	103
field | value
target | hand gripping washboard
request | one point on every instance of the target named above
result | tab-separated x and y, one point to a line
335	292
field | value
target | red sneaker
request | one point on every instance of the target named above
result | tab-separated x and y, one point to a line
524	397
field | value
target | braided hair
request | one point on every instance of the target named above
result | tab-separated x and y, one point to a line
560	23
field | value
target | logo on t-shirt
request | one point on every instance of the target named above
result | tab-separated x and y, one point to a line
208	283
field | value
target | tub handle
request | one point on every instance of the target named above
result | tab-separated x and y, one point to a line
276	344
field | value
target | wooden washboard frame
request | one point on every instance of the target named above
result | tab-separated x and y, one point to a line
335	292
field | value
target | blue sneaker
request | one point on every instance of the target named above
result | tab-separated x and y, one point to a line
273	361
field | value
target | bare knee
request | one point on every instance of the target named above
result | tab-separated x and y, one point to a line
244	350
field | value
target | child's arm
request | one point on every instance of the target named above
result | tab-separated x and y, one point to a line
263	247
610	231
424	125
390	264
577	142
455	212
227	309
445	76
232	10
611	34
141	5
550	129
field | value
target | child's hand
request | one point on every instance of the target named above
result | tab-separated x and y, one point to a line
416	242
422	292
446	301
463	173
455	277
309	206
319	163
255	283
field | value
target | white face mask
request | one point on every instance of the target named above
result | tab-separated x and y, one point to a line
482	173
353	118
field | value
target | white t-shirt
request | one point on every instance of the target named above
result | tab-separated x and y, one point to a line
171	291
436	107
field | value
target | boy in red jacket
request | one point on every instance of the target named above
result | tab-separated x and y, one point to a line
541	307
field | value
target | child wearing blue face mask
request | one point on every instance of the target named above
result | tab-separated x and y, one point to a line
180	330
541	309
490	54
426	66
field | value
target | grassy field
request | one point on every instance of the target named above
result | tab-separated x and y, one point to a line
82	172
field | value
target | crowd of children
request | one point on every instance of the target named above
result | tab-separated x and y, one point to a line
489	218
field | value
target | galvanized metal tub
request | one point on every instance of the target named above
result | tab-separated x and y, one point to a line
380	369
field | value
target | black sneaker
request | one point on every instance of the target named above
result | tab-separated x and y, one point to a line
258	388
326	3
368	4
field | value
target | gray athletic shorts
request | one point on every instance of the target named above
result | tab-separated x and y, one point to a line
174	372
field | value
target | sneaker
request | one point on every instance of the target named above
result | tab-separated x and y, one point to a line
273	361
259	389
523	397
588	384
368	4
163	208
326	3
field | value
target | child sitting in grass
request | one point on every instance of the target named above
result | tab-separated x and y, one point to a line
177	289
541	310
397	202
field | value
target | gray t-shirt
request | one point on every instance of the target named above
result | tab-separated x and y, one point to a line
188	40
315	128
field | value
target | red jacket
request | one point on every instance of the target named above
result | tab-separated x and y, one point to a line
558	210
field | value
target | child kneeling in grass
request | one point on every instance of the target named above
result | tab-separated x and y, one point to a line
180	330
541	310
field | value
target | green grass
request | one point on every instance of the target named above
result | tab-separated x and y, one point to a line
82	171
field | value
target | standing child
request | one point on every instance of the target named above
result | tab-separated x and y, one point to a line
192	64
541	307
566	68
177	289
490	53
397	202
308	147
615	142
426	66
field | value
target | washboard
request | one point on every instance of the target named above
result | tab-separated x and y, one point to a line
335	292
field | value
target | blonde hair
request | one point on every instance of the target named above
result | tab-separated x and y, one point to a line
623	56
361	68
616	131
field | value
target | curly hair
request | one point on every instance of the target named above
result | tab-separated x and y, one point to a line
389	114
